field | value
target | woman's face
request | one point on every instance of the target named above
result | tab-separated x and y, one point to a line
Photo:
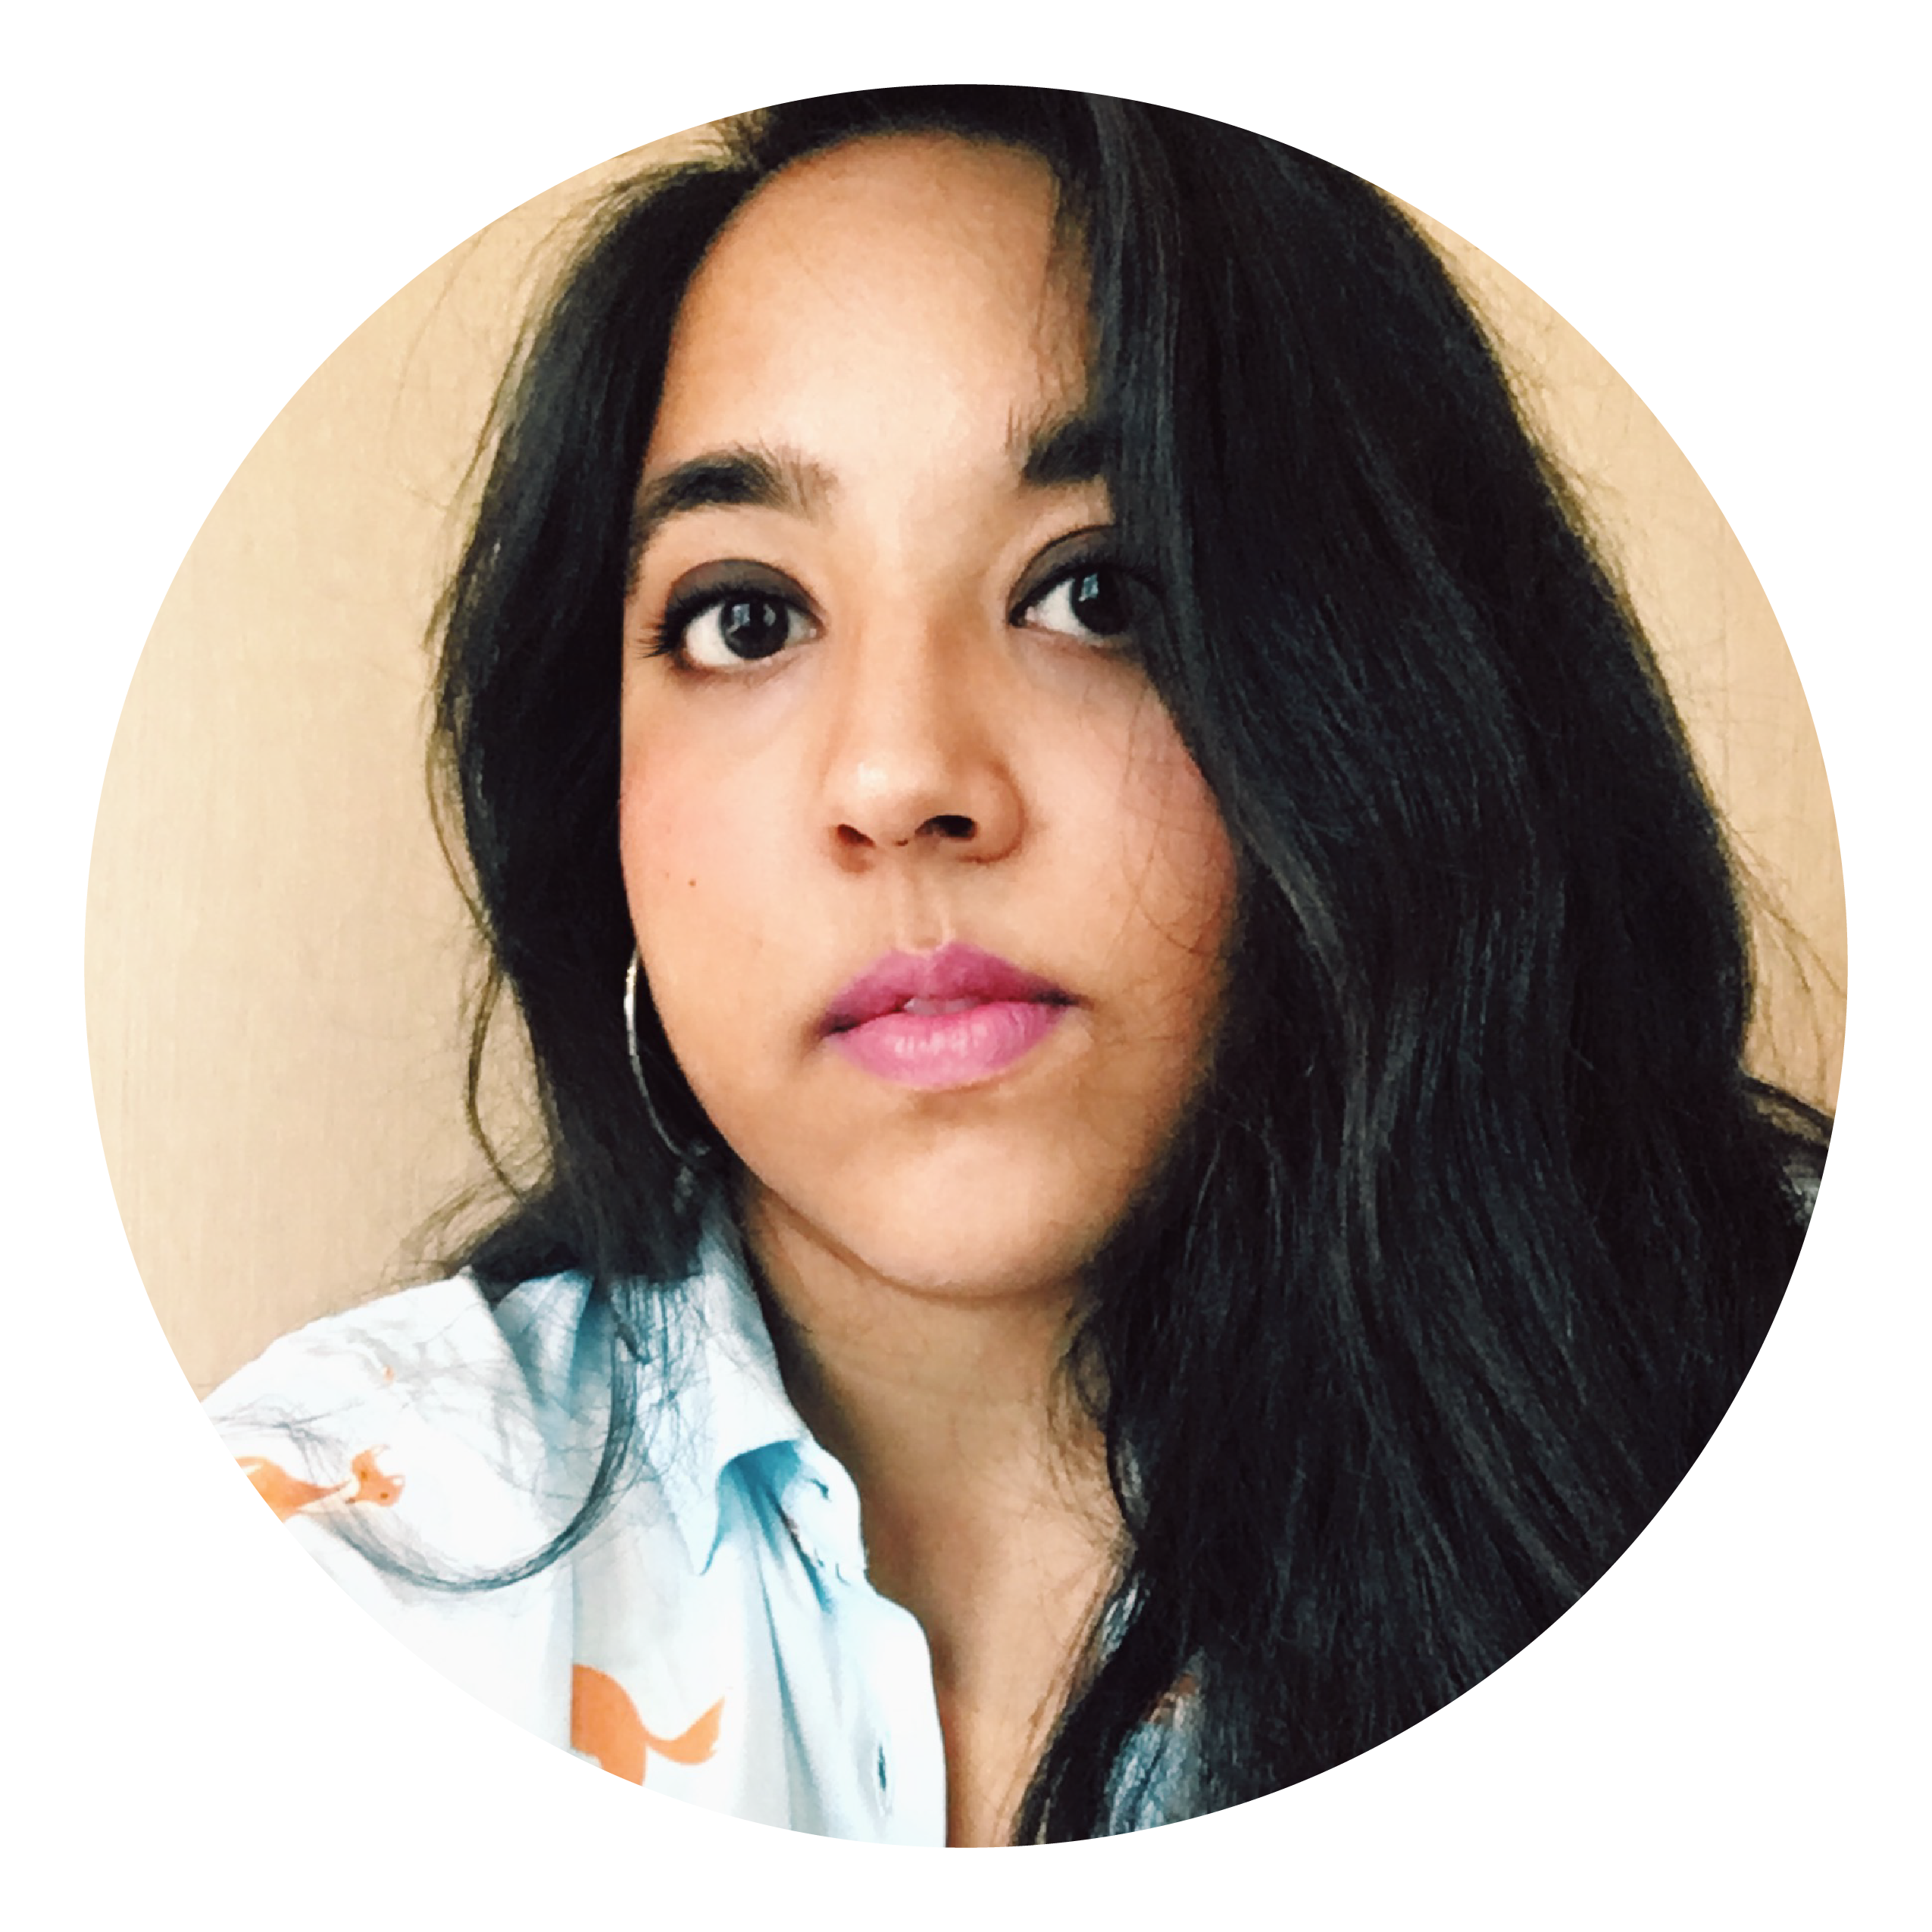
931	900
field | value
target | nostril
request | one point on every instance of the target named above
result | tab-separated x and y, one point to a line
951	828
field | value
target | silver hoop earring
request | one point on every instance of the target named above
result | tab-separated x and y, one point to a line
686	1157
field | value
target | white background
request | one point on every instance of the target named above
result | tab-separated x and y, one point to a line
202	202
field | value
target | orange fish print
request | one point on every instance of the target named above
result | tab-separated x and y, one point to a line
604	1725
288	1495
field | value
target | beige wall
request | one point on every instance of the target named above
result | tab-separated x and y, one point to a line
275	953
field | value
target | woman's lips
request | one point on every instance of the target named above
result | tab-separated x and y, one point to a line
942	1019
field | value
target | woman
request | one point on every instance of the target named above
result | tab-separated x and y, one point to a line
1137	1006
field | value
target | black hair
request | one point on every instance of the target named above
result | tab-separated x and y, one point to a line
1459	1260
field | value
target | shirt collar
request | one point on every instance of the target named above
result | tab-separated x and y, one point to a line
723	1398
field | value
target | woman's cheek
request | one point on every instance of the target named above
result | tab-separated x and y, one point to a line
682	857
1178	859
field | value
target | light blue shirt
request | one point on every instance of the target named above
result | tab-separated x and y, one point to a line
715	1638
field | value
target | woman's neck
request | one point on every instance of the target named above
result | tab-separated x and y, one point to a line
984	1489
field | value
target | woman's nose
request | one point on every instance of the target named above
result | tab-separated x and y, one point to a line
919	760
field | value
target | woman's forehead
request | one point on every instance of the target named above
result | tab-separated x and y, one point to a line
967	192
925	274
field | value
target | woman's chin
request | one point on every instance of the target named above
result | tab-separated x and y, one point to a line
981	1247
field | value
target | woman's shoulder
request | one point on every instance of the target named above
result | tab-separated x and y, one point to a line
446	1344
414	1444
435	1412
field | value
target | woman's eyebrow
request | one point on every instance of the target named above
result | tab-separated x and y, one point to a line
729	479
1074	448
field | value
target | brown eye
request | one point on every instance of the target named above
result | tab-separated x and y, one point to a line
721	627
754	626
1091	601
1098	598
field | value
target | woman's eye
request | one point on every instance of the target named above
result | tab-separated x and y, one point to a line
1091	602
738	627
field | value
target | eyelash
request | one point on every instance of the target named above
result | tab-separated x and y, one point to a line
671	637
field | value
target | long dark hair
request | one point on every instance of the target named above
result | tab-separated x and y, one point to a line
1458	1261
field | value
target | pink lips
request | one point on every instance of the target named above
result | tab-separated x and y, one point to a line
942	1019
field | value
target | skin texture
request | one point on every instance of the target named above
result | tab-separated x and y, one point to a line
941	752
